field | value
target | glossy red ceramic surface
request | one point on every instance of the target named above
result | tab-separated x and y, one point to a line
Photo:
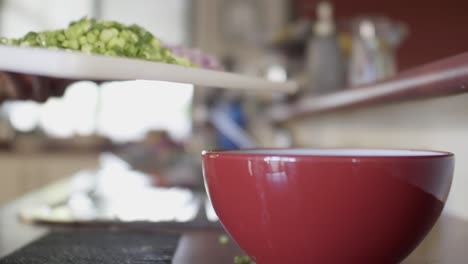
328	206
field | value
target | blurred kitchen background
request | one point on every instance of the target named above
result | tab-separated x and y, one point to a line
125	137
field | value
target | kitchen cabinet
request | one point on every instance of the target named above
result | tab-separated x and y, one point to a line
437	28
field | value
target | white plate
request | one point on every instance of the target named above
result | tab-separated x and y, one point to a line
75	65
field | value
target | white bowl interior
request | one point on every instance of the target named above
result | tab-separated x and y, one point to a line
340	152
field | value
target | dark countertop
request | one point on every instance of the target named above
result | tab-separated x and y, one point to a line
196	244
103	247
446	244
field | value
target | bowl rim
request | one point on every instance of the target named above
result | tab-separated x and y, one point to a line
328	153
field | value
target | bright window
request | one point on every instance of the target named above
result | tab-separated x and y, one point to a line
122	111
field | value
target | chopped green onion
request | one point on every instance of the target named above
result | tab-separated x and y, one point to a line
101	37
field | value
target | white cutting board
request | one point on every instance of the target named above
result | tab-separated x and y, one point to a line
79	66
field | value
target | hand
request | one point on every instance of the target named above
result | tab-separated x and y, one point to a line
19	86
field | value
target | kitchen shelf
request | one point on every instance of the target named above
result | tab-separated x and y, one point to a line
441	78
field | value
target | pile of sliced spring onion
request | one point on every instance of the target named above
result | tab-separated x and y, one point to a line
111	38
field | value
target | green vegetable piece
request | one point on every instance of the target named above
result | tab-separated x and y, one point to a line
83	40
223	240
116	42
87	48
156	43
66	44
100	47
130	51
110	53
183	61
107	34
41	40
61	37
129	36
96	31
51	43
91	37
243	260
74	44
4	41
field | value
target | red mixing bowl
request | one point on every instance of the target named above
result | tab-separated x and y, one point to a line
328	206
